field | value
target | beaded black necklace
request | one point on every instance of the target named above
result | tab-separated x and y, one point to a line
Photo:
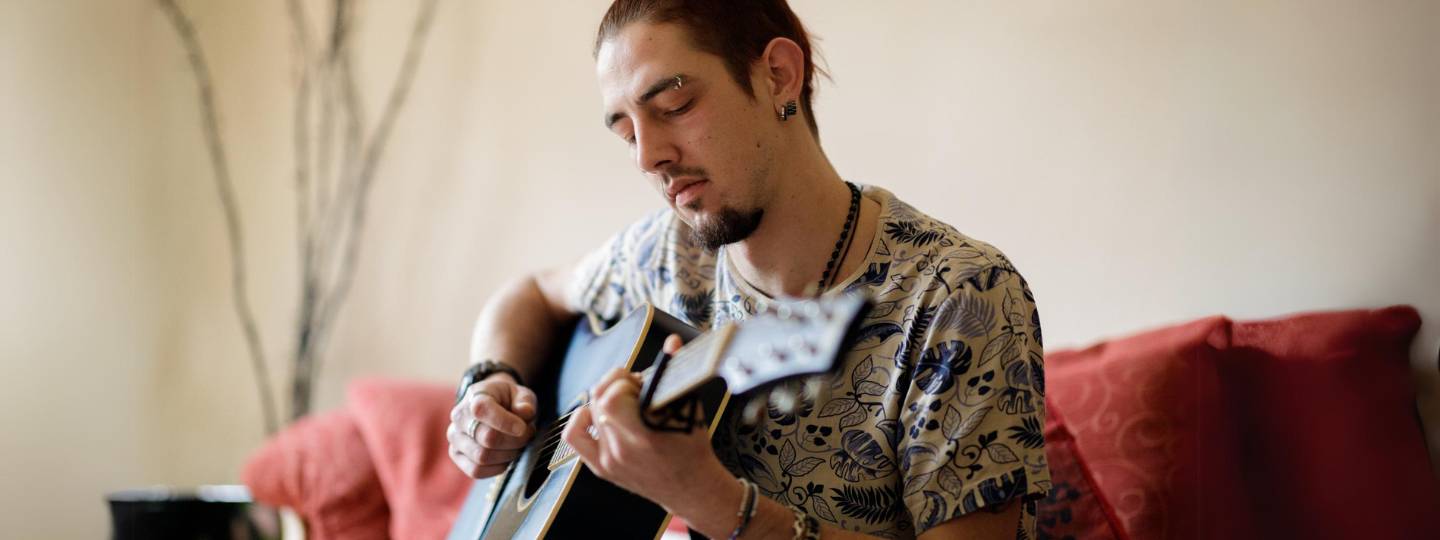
826	279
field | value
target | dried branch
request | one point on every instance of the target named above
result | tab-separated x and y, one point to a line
332	185
304	198
233	230
343	227
350	99
360	188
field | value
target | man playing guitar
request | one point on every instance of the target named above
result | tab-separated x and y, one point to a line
932	426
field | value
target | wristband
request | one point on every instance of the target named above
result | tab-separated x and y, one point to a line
747	507
479	371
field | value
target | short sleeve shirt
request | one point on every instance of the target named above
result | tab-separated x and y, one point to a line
934	413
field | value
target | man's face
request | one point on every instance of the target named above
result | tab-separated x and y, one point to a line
702	141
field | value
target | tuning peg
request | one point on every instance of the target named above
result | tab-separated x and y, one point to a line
784	398
812	388
812	309
751	413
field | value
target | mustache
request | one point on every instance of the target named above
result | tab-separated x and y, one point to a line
679	171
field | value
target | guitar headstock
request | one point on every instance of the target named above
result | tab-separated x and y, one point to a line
792	338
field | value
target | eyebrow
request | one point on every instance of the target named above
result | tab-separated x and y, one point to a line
655	89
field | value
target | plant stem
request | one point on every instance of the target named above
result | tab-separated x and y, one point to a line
233	230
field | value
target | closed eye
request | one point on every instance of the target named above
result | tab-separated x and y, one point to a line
626	135
681	109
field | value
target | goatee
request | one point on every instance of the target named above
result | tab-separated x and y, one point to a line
727	227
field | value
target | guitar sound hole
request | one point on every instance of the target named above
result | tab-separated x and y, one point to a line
540	467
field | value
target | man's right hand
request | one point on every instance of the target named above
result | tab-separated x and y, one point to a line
491	426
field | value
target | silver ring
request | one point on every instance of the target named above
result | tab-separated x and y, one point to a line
594	433
470	430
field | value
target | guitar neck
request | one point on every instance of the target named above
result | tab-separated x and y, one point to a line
790	340
690	367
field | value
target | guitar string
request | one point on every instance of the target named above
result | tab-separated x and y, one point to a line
553	440
680	358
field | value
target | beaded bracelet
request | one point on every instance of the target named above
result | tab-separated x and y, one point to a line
747	507
806	528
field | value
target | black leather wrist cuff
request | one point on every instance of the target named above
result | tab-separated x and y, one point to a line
482	369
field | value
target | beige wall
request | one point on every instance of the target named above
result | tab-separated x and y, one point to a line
81	321
1142	163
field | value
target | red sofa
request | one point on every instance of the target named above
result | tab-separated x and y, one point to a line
1300	427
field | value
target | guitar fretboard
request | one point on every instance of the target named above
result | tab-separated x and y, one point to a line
690	367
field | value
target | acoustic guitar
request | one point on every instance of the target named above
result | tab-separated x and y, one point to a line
547	492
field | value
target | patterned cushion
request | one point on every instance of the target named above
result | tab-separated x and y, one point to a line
1074	508
1141	410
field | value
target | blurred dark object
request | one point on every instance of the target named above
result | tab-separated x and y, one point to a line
207	512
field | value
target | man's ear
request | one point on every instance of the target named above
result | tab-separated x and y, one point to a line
784	70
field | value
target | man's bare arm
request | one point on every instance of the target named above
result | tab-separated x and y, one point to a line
521	324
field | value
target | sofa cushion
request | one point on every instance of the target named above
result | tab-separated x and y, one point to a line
1303	426
319	467
1074	509
403	424
1142	413
1325	404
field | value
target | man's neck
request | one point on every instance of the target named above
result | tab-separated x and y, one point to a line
787	253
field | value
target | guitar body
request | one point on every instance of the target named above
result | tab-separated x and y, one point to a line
536	498
549	493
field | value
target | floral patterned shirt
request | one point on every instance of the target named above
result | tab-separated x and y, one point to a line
936	411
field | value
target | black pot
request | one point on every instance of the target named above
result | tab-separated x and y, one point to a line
207	512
